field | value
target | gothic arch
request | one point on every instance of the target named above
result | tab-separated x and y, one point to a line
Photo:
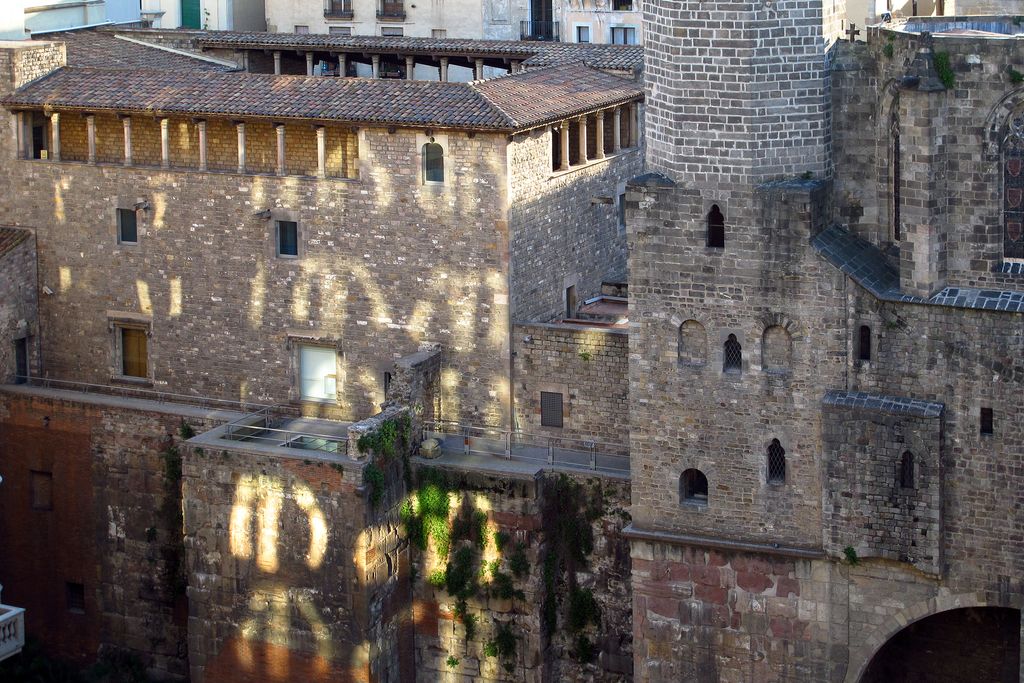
997	122
861	656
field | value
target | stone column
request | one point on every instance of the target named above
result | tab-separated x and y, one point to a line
245	61
479	74
201	126
277	63
165	143
410	66
375	60
599	135
126	121
342	65
515	66
617	131
443	69
240	126
309	63
634	125
90	134
564	132
19	134
55	136
279	129
583	139
321	152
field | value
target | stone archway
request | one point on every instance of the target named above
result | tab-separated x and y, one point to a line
961	643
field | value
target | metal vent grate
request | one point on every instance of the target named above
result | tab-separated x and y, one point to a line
550	409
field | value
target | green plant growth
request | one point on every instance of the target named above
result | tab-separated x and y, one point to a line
1016	77
944	68
851	556
452	661
518	562
185	430
374	478
503	645
586	356
173	551
889	50
503	587
428	518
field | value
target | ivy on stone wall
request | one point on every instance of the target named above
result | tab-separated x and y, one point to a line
390	439
173	549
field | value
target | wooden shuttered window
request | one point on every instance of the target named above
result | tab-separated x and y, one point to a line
134	353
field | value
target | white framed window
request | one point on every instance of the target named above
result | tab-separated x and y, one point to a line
301	29
127	226
287	238
623	35
340	31
582	33
318	373
392	31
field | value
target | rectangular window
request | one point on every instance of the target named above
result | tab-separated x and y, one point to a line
340	31
127	227
583	34
301	29
622	213
622	5
41	489
318	373
570	301
986	421
287	238
21	360
392	31
76	597
439	33
550	409
623	35
134	352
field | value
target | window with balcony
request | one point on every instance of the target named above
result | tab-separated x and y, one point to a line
338	9
390	10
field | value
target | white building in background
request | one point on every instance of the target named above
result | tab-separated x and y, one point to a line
21	18
601	21
212	15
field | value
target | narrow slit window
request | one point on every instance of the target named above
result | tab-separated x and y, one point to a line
732	356
127	227
570	301
433	162
287	238
907	470
897	232
20	360
387	385
550	409
716	228
864	343
693	487
776	463
986	421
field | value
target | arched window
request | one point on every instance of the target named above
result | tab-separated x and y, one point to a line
776	463
693	487
864	343
907	470
776	349
693	343
433	162
716	228
1013	190
732	356
894	134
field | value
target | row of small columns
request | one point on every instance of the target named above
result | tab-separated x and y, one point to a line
165	143
599	152
410	65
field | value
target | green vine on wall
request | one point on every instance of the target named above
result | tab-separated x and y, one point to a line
173	551
944	68
391	438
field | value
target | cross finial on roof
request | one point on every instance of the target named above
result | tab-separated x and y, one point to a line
852	33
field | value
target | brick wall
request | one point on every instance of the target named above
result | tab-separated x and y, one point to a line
18	306
588	366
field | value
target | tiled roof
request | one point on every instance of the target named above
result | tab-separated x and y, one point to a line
104	50
12	237
872	270
509	103
533	52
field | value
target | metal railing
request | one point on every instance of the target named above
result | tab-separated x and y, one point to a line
338	9
538	30
137	392
391	10
258	428
554	451
12	631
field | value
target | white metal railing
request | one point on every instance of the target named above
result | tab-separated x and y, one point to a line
138	392
12	631
552	450
258	428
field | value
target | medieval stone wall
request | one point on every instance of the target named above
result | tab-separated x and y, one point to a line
561	236
18	306
588	366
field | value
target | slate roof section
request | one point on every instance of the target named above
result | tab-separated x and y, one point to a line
12	237
532	52
872	270
506	104
892	405
104	50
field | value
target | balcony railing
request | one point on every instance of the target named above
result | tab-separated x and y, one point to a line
12	631
538	30
391	11
338	9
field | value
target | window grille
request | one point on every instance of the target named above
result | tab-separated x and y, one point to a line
693	487
907	470
776	463
864	343
716	228
732	360
550	409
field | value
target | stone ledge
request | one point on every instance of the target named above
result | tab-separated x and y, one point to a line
670	538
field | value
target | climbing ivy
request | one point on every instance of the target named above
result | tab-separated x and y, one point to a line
391	438
945	70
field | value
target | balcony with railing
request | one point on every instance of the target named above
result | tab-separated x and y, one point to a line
12	631
391	11
338	9
538	30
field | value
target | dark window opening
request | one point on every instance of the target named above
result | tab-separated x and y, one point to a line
21	360
897	232
134	354
570	301
38	141
907	470
387	385
622	214
693	487
287	238
864	343
556	148
127	226
41	489
986	421
433	163
76	597
550	409
776	463
716	228
732	358
622	5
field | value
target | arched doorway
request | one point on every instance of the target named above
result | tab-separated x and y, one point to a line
956	646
